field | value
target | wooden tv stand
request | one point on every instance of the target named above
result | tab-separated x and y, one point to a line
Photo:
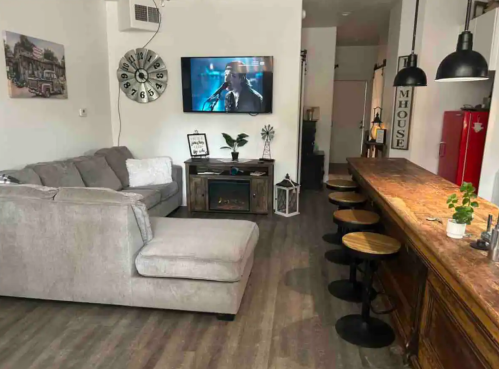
205	191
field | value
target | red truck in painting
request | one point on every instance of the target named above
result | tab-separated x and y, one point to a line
48	85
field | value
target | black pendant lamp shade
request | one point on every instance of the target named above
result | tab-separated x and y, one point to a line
411	75
464	64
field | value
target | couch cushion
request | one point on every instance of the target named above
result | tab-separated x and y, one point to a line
107	196
96	172
27	192
151	198
166	190
208	249
58	174
26	176
116	158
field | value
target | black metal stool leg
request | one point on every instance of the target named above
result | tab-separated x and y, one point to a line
364	330
335	238
350	289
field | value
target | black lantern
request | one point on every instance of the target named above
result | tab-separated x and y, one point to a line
464	64
411	75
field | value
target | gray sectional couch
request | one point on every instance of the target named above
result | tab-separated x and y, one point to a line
74	231
105	169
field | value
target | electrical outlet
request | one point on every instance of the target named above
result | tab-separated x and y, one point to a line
83	113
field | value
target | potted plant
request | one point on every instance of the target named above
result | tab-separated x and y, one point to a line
464	213
234	144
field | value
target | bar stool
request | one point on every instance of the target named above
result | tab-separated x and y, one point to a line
362	329
350	221
344	201
341	185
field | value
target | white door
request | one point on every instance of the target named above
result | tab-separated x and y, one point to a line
349	106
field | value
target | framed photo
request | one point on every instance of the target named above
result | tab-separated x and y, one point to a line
480	7
198	145
380	136
35	68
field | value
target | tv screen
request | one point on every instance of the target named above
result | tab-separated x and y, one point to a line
228	84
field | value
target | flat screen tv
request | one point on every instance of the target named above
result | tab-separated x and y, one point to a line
228	84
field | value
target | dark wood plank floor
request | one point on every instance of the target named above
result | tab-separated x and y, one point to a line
286	319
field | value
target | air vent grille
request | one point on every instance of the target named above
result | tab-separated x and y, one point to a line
153	15
141	13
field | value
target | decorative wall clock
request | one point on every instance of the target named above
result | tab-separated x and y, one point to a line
142	75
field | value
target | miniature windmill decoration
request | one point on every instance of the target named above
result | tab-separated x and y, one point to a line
267	136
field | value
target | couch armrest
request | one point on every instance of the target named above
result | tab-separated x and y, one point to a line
178	176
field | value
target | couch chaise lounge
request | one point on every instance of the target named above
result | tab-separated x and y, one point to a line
98	245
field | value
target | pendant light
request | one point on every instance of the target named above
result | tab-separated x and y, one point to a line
464	64
411	75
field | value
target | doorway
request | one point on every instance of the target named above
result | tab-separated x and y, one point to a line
349	117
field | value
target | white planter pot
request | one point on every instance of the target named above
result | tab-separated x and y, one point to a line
455	230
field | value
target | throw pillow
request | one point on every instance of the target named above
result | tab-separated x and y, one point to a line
5	179
148	172
25	176
95	172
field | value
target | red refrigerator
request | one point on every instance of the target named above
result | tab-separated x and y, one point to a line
462	146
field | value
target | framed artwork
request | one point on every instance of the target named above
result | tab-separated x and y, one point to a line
35	68
198	145
380	136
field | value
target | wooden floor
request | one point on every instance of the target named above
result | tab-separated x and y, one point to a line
286	319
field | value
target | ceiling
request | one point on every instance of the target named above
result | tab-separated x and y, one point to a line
367	23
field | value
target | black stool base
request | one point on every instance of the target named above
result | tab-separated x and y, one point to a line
333	238
349	291
339	257
375	334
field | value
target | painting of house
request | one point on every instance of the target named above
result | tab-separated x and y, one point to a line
35	68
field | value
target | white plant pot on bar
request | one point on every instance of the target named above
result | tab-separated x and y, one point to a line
455	230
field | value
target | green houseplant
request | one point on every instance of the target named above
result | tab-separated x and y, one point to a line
234	144
464	213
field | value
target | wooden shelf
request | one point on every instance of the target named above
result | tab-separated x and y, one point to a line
261	187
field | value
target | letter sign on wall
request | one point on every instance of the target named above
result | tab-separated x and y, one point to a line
401	125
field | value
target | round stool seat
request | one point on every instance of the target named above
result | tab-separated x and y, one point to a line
341	185
356	217
371	245
347	198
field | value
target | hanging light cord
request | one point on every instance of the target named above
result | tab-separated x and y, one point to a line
415	27
468	17
148	42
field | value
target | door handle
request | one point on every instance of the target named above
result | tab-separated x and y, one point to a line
361	126
441	150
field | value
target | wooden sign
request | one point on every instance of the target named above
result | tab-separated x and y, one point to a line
401	124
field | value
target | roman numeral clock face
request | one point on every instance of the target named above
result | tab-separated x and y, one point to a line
142	75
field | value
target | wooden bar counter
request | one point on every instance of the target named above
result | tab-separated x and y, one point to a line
446	293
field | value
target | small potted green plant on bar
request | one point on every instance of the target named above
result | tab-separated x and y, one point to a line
464	213
234	144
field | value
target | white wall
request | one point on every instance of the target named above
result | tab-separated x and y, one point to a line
439	24
37	129
213	28
321	49
443	22
489	180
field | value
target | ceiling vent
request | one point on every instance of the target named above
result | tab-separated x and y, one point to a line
138	15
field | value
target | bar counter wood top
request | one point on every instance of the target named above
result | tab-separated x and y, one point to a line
457	279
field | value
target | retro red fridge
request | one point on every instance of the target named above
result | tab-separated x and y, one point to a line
462	146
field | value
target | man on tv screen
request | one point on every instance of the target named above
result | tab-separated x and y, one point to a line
241	97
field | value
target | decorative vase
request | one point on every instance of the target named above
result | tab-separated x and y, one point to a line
235	156
455	230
